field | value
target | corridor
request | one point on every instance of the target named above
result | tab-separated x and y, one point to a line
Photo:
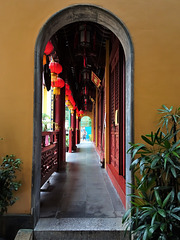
84	190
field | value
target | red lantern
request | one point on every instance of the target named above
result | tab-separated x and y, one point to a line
81	112
59	83
67	86
68	92
49	48
53	84
73	102
70	98
58	68
55	67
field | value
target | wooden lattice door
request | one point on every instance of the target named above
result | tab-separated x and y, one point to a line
117	111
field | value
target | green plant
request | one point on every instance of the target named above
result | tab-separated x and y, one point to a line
155	210
90	136
8	183
67	140
45	122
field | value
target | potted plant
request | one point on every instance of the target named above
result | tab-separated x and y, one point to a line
155	210
8	182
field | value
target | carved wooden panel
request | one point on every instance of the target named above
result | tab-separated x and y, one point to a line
49	162
117	86
49	156
114	105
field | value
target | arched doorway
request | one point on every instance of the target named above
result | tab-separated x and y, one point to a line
86	129
60	19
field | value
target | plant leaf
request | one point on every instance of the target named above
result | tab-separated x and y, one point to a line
178	195
175	216
173	170
135	150
155	161
162	212
158	199
177	209
163	226
127	213
153	219
145	235
147	140
166	200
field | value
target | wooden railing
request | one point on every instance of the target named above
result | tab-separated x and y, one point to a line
49	154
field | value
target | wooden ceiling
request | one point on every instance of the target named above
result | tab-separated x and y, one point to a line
81	47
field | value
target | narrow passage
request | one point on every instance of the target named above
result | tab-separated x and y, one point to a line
84	190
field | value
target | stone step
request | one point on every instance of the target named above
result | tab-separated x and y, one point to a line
24	234
80	229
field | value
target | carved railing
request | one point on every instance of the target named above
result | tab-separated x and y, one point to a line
49	154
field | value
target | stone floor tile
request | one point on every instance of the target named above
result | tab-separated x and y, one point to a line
83	190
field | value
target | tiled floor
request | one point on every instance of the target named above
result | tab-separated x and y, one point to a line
84	190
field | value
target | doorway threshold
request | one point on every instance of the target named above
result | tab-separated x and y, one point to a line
80	201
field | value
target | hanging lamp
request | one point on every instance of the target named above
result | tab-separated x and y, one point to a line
49	48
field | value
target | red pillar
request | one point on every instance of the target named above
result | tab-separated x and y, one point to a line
70	140
72	132
60	126
77	130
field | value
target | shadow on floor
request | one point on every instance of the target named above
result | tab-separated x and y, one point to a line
84	190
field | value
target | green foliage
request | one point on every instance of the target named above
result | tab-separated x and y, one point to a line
155	210
45	122
67	140
90	137
86	122
8	183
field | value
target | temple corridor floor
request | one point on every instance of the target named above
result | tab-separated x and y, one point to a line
84	190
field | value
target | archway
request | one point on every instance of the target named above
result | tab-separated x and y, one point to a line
60	19
86	128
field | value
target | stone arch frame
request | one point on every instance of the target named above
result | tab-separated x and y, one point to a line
89	116
76	13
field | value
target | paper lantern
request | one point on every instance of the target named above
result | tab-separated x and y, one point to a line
53	79
67	86
81	112
49	48
68	92
59	83
55	67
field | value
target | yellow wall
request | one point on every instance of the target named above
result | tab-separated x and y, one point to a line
155	30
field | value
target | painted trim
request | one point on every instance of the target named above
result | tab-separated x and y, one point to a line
66	16
118	182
